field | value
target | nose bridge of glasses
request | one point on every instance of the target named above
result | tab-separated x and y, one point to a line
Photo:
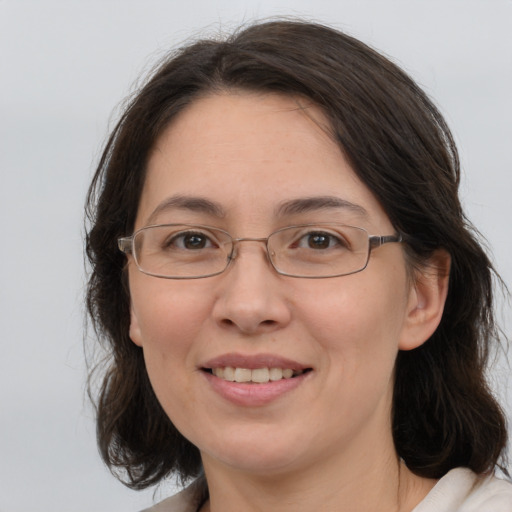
250	239
236	242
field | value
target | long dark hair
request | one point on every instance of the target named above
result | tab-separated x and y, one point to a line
397	142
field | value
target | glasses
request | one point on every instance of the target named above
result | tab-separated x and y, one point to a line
187	251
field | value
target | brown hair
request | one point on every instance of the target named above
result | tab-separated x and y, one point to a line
399	145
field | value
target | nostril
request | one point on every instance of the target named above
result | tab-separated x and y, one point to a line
248	325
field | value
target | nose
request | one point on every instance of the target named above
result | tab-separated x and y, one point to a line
251	296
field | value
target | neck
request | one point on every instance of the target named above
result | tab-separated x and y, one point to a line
383	485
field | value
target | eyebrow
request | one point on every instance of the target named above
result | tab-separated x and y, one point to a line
310	204
192	203
292	207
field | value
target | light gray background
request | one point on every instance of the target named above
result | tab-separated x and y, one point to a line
63	68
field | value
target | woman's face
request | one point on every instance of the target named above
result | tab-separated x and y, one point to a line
237	162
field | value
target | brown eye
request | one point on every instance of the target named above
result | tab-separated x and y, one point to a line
319	241
192	241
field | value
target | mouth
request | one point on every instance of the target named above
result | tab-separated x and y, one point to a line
254	380
262	375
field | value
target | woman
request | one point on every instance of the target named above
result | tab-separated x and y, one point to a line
298	313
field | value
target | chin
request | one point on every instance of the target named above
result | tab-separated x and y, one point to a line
262	455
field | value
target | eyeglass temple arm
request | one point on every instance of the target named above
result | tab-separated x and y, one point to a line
125	244
377	241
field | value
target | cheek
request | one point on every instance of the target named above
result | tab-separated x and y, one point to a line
166	313
169	318
169	322
356	322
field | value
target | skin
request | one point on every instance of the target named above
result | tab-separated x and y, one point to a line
329	440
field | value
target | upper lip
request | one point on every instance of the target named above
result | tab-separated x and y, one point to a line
253	362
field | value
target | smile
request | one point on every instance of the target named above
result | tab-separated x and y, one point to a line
256	375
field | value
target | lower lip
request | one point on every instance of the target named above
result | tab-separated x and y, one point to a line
254	395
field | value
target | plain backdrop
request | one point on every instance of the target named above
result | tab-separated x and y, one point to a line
64	66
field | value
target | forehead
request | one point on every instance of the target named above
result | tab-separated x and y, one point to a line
249	153
246	127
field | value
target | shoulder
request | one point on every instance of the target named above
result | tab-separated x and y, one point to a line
180	502
461	490
185	501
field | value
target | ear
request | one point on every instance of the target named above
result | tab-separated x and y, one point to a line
135	333
427	298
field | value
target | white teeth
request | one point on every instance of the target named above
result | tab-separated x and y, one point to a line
275	374
218	372
287	373
258	375
229	373
243	375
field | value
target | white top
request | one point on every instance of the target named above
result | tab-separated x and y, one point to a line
460	490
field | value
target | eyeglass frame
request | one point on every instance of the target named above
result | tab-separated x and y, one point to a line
125	245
